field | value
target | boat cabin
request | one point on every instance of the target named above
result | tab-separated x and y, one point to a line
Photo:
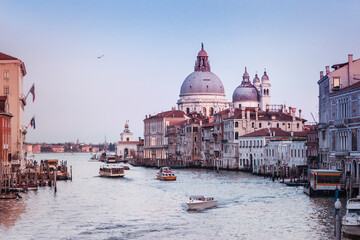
323	181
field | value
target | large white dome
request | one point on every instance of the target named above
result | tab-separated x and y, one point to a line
199	83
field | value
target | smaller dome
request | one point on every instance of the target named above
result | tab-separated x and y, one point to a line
256	79
265	77
202	53
246	92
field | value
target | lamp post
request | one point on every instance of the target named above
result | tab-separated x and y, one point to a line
337	220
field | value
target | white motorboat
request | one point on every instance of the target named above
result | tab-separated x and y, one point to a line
166	174
111	170
351	221
199	202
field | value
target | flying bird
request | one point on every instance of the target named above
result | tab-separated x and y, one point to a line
100	56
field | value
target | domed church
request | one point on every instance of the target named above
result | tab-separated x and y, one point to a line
254	94
202	91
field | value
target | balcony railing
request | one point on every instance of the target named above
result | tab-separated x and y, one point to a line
340	123
342	153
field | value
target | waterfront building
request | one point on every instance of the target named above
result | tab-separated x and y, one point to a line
126	147
287	156
208	144
202	91
257	154
12	72
312	152
189	140
339	118
5	131
244	120
155	142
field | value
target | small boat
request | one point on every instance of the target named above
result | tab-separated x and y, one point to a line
24	187
111	159
112	170
166	174
199	202
351	221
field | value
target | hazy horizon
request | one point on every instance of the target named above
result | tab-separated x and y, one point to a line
150	47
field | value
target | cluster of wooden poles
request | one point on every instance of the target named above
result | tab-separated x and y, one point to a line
33	175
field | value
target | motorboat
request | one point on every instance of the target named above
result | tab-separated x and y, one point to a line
111	170
166	174
351	221
111	159
199	202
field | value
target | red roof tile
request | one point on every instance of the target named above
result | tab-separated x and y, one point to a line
3	56
277	131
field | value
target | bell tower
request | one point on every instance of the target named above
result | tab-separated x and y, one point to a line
264	92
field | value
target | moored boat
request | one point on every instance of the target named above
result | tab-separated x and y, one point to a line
111	170
351	221
166	174
199	202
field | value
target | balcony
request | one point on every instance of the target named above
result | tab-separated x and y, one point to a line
342	153
341	123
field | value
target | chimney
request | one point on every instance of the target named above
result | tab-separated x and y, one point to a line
145	116
350	77
289	110
321	74
300	113
149	115
293	113
256	113
327	70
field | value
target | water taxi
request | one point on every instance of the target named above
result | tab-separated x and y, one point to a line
323	182
199	202
351	221
111	170
166	174
111	159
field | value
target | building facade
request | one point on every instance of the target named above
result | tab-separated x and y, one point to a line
126	147
339	118
12	72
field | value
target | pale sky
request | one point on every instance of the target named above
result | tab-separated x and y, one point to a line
150	47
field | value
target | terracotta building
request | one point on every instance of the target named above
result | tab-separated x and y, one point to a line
12	72
5	131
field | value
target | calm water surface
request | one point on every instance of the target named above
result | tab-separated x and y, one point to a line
141	207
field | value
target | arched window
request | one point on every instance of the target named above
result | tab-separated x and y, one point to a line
264	91
195	150
211	111
253	125
187	110
236	124
195	139
236	135
204	111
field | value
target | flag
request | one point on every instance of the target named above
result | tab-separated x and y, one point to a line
32	90
32	122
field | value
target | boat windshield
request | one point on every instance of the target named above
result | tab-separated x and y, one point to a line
354	211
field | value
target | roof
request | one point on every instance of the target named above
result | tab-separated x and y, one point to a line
168	114
278	132
211	124
4	56
355	85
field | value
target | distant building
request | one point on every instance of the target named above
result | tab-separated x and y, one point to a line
12	72
262	150
339	118
126	147
155	141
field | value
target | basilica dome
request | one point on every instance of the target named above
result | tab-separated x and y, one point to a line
199	82
246	92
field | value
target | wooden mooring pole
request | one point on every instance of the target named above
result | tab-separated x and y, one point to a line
55	181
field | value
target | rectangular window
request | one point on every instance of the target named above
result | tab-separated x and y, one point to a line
6	90
6	75
353	139
336	83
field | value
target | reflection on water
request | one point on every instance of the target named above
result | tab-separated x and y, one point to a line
141	207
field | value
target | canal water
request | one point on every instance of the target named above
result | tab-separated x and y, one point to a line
140	207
